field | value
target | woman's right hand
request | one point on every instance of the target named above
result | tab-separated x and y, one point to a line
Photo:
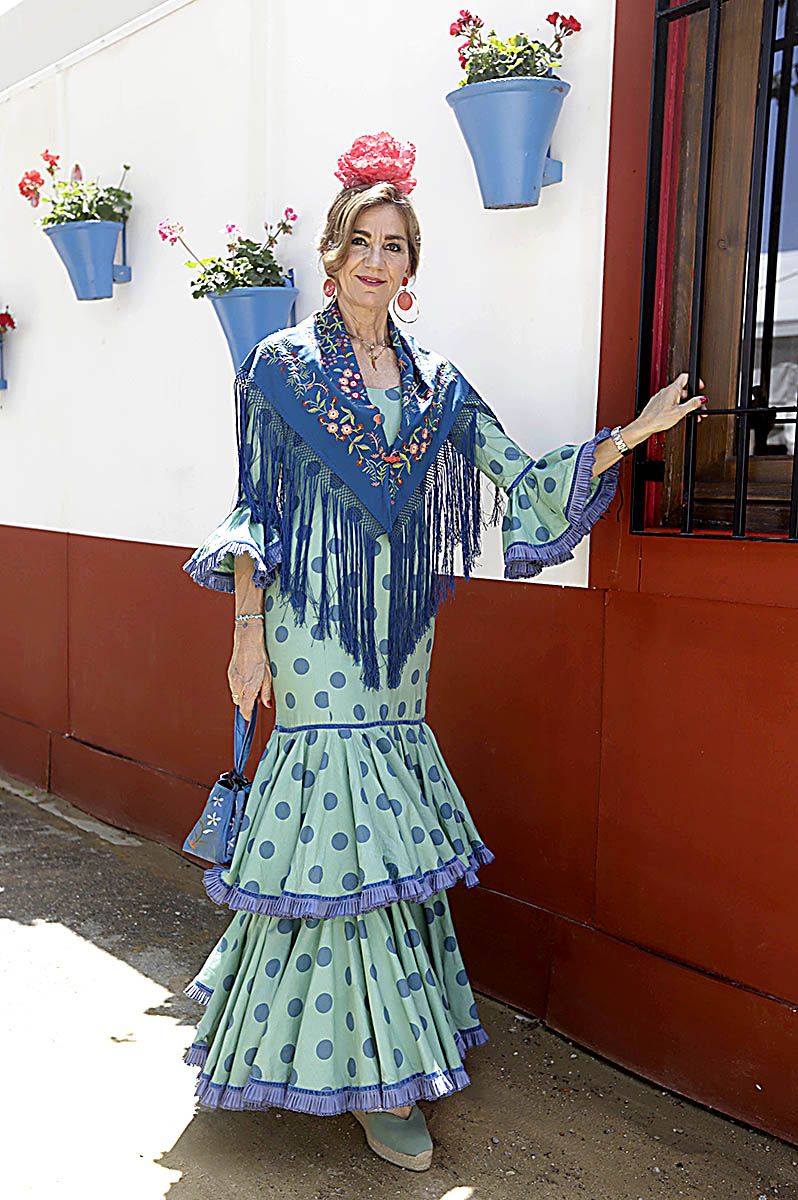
249	674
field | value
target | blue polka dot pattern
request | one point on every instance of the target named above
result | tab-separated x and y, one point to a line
317	1007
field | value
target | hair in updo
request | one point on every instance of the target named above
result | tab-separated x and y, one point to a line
346	208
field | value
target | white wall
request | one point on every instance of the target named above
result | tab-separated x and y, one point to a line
118	420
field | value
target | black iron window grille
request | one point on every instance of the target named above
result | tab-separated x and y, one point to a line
720	271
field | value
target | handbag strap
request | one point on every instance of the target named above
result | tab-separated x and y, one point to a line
242	737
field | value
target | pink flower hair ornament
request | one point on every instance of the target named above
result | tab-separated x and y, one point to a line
378	158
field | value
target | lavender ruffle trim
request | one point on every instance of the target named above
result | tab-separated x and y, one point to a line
203	569
523	560
198	991
260	1094
373	895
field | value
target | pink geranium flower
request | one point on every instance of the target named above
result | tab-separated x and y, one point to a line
170	231
374	157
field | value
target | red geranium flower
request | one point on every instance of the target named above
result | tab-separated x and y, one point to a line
29	186
6	321
570	25
51	160
553	18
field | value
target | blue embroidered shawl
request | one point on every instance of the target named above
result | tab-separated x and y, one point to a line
310	439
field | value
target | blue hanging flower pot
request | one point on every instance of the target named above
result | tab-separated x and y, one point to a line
508	126
3	380
87	250
248	314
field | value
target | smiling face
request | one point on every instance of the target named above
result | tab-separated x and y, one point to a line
378	259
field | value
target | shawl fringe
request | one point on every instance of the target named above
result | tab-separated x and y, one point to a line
279	473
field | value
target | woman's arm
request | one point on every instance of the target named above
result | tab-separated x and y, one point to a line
249	674
664	410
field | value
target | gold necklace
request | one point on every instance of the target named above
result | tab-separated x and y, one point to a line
370	347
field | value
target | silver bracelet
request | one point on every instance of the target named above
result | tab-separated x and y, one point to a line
617	437
245	618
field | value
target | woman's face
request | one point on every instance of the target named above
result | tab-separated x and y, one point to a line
378	259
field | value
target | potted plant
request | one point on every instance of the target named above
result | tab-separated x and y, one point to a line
250	292
84	224
7	323
507	107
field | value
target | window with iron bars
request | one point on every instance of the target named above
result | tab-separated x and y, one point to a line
720	271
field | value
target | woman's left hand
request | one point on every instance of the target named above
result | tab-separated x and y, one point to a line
670	405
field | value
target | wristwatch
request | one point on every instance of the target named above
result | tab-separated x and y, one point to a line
617	437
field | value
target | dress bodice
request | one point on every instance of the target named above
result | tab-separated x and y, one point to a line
389	402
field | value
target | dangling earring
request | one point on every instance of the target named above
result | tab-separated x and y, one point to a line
403	302
328	287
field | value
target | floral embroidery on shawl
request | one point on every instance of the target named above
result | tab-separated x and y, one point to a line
297	464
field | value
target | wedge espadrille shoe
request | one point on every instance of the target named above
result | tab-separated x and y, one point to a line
404	1141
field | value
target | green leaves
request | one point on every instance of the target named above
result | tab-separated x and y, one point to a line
252	265
517	57
86	200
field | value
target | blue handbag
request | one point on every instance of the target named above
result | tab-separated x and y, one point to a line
214	835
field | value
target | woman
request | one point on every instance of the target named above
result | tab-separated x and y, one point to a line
338	985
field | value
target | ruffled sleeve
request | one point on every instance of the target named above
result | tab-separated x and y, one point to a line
212	564
552	502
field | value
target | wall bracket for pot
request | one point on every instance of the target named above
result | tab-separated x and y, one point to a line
552	170
123	272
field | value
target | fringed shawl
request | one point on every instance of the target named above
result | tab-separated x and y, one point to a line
309	439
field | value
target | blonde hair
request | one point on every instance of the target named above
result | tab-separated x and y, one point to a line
343	213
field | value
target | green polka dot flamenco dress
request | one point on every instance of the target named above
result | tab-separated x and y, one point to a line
339	983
